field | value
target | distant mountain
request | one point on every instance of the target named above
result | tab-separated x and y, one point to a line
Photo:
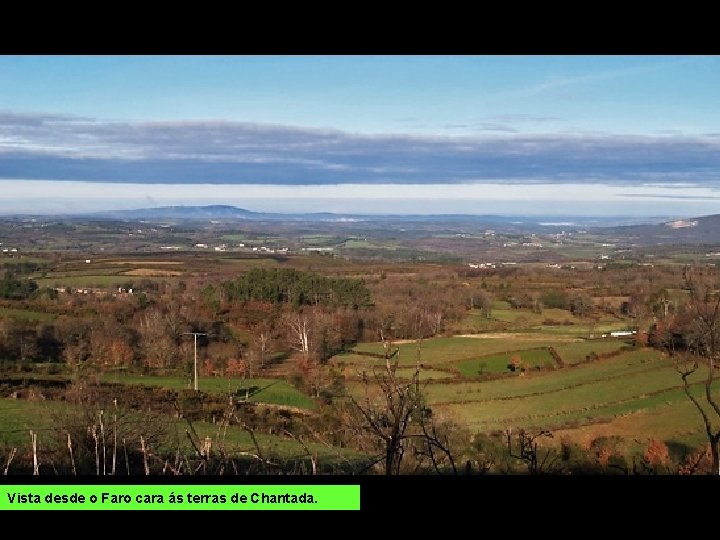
218	211
699	230
227	212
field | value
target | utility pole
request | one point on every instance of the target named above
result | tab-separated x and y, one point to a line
195	335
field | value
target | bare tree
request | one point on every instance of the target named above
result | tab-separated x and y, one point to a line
393	413
388	417
158	344
260	347
485	303
263	343
299	328
701	341
687	364
529	451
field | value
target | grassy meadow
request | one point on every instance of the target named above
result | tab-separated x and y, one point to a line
271	391
47	419
585	396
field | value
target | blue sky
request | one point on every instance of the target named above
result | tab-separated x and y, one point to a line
517	134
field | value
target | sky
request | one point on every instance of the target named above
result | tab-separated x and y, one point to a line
533	135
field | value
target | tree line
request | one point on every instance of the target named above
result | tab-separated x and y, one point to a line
290	286
13	288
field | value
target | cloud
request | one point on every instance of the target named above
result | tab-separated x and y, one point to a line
556	82
523	118
675	197
483	126
56	147
44	196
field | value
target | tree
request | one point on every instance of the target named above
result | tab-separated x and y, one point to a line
555	299
529	451
76	338
299	329
484	302
537	303
638	303
287	285
27	342
159	343
16	289
581	305
49	346
393	413
656	454
661	304
389	419
111	344
261	342
701	340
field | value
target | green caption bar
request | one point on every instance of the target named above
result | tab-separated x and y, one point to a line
129	497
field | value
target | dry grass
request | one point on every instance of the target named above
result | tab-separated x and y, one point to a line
674	421
153	263
152	272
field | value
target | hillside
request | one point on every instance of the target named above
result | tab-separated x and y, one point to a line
699	230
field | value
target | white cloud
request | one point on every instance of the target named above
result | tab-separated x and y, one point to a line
64	148
481	191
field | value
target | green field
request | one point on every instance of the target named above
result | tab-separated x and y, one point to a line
364	244
26	314
578	399
548	382
378	366
91	270
556	414
574	353
581	330
320	240
94	280
598	391
581	252
425	374
249	263
498	363
561	321
18	417
675	421
442	352
533	319
272	391
235	237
